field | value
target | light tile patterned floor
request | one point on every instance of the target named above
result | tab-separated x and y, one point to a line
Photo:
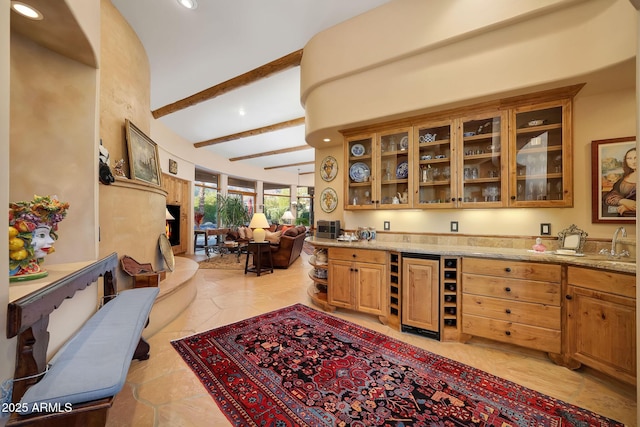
163	391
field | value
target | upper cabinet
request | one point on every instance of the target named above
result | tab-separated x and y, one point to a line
540	155
510	153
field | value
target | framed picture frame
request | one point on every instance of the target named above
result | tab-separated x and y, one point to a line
613	180
173	166
143	156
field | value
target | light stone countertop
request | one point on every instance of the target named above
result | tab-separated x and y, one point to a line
622	265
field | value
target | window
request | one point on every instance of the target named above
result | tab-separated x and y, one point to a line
205	199
277	199
246	190
304	206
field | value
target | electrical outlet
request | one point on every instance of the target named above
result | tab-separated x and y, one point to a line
545	229
454	226
387	225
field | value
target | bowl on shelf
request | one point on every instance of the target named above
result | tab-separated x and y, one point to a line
536	122
469	134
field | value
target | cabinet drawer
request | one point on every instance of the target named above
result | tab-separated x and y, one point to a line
512	289
361	255
544	316
513	269
604	281
542	339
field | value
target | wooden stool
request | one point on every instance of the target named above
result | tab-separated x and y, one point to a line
258	250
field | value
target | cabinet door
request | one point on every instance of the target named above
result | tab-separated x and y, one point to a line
339	290
434	166
601	331
483	170
540	157
371	293
394	163
360	173
420	293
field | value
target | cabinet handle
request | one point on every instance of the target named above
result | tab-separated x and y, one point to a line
459	199
508	289
508	269
508	333
513	197
508	311
355	269
568	297
354	255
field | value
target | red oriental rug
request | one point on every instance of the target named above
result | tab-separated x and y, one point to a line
301	367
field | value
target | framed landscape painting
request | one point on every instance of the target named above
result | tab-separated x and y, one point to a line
613	178
143	156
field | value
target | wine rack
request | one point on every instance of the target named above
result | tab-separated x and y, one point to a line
450	298
394	289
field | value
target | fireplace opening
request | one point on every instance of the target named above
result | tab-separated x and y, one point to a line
173	225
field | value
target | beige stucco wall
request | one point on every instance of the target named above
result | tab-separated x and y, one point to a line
132	213
354	73
7	347
518	49
53	141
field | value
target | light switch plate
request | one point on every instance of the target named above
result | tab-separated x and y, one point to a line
454	226
387	225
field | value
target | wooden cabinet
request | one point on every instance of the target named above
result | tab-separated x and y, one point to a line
513	152
601	321
178	195
357	280
513	301
421	295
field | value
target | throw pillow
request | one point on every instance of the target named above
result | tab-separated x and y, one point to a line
249	233
242	232
273	237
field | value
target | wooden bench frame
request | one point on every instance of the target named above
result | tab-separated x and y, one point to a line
28	319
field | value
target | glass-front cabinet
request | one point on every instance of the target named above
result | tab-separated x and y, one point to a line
361	172
435	170
540	156
514	153
394	186
482	174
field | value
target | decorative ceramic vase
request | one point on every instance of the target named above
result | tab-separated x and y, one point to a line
32	232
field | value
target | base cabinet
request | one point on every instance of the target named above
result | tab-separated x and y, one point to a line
421	295
513	301
357	279
601	322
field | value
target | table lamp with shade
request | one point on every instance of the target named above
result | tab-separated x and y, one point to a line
258	224
288	216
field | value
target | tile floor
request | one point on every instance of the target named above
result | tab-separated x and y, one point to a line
163	391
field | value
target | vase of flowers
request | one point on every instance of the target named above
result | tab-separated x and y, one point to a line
33	227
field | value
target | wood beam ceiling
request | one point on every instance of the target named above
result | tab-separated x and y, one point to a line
288	61
258	131
290	165
271	153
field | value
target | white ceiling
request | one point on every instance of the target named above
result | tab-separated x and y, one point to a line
193	50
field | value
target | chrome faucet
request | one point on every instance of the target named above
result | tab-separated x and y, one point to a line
614	242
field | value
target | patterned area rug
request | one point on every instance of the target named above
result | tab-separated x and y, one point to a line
301	367
225	262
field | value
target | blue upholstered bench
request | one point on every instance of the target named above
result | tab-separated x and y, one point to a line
77	386
94	363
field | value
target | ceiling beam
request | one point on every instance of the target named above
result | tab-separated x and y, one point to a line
272	153
292	164
288	61
253	132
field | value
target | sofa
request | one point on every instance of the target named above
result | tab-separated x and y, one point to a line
285	242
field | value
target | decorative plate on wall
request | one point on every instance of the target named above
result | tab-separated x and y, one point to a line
329	168
328	200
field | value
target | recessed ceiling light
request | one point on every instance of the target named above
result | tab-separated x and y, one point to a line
189	4
327	139
26	10
241	112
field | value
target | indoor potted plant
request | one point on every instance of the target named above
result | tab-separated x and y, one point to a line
232	211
